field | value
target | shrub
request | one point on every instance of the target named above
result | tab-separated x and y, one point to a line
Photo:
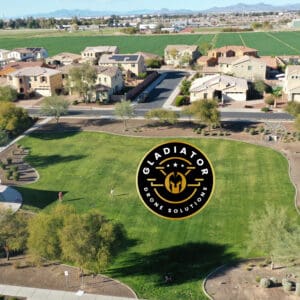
265	282
246	129
257	279
265	109
181	100
17	264
2	165
16	176
75	102
261	129
14	168
252	131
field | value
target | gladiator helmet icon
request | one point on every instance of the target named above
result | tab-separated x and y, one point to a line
175	182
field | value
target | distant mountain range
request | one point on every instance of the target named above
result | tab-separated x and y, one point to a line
240	7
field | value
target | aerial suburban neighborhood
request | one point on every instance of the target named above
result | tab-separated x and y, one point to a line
148	152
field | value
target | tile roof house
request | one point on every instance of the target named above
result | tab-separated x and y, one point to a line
221	87
127	62
181	55
247	67
93	54
231	51
64	58
291	84
42	81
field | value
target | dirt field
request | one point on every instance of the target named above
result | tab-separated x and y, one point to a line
240	282
52	276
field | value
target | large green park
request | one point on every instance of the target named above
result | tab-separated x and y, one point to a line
86	165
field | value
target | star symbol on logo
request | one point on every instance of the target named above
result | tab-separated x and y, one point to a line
175	165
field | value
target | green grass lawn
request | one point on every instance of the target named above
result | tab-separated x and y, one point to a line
86	165
75	42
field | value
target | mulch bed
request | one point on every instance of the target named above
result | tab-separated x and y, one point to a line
27	174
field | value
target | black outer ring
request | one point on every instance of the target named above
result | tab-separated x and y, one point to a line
175	211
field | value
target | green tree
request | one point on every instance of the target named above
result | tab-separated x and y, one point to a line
271	231
206	111
55	106
277	93
89	240
13	119
13	231
205	47
153	63
8	94
260	86
4	139
43	229
125	111
82	80
164	116
185	87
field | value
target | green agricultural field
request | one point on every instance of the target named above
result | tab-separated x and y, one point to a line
85	166
268	43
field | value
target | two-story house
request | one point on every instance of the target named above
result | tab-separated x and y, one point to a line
23	54
181	55
42	81
247	67
133	63
63	59
93	54
291	84
4	57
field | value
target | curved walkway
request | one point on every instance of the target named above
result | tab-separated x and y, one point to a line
10	198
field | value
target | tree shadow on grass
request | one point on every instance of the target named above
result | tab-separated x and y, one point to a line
186	263
46	160
38	198
51	132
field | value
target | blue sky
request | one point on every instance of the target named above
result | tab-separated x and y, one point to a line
10	8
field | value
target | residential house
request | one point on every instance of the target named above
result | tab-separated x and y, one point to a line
64	58
232	51
23	54
247	67
181	55
133	63
4	57
108	82
221	87
291	84
93	54
42	81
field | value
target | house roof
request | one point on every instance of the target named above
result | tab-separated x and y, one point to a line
4	50
148	55
271	61
101	49
238	60
119	58
28	50
105	70
13	66
65	55
290	69
108	71
223	82
182	47
234	48
35	71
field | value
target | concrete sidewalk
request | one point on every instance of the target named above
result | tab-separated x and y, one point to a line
43	294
